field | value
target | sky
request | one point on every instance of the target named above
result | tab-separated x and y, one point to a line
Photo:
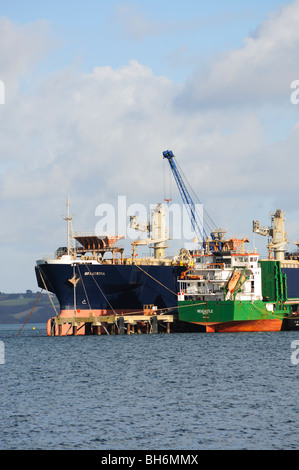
96	90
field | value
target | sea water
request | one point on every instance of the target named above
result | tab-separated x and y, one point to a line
184	391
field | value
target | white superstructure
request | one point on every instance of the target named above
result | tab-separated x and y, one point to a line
225	276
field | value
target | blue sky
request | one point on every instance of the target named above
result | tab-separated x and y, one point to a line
96	90
172	38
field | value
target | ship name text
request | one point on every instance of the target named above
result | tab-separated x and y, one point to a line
96	273
205	312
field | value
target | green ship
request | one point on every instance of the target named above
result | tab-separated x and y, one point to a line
230	292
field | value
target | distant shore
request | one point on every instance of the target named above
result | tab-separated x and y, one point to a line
15	308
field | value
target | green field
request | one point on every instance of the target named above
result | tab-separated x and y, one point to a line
15	308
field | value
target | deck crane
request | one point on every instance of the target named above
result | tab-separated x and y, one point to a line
196	219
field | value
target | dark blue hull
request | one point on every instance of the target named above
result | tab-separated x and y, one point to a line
292	282
111	287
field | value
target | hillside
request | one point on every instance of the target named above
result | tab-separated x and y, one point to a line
15	308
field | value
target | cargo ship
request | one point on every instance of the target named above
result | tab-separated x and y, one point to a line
233	292
236	291
93	278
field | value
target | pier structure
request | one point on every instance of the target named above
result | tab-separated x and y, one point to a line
148	321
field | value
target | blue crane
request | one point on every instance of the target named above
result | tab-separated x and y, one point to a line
196	219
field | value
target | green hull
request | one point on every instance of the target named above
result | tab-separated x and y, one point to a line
235	315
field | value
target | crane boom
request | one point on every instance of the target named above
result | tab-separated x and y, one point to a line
196	220
215	241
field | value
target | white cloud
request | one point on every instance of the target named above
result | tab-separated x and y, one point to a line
258	72
22	47
81	125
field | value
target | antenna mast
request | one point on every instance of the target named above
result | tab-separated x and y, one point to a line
68	219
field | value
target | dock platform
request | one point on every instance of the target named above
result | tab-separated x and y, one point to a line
148	322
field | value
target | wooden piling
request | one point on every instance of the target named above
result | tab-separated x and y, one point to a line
96	329
121	325
53	324
154	324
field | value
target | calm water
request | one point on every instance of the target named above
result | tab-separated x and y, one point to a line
148	392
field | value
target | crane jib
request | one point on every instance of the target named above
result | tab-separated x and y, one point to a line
187	199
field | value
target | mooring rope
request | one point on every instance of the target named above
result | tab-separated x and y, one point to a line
155	279
30	312
48	292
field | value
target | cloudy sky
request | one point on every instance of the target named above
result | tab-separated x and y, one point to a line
96	90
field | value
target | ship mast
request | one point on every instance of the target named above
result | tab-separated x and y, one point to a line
68	219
